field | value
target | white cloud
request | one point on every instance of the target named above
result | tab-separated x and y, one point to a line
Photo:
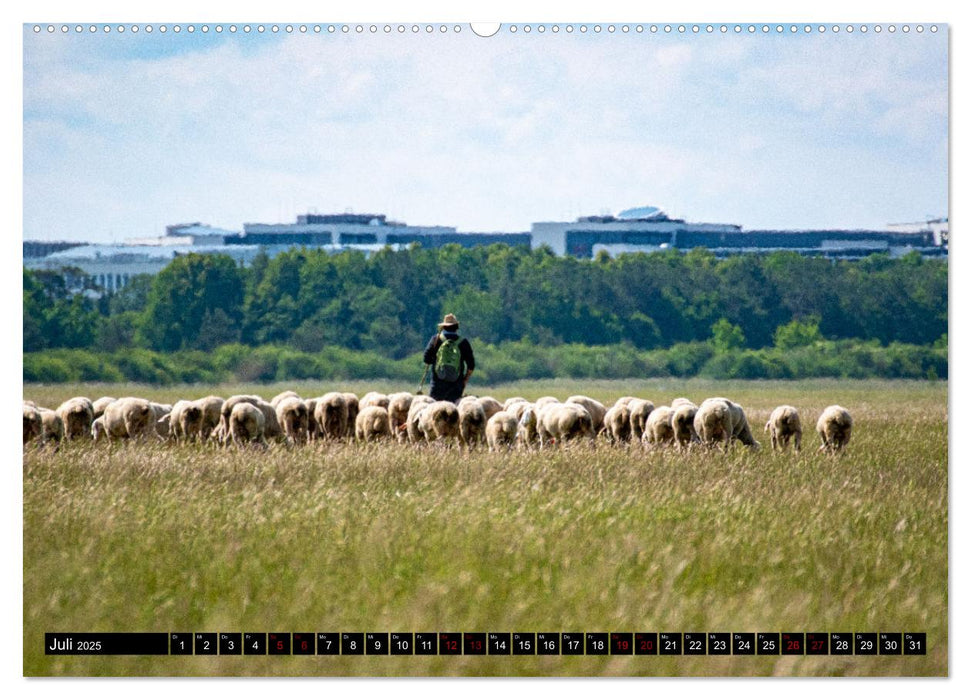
859	80
480	134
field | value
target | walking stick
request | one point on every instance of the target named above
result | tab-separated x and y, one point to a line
422	382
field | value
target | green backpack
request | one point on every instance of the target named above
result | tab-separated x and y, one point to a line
448	360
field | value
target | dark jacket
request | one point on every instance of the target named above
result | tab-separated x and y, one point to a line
439	389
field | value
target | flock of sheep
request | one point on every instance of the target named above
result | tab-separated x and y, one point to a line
420	419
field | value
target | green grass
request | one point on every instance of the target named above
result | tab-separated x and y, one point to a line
139	537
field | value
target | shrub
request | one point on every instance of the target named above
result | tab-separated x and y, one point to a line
259	365
687	359
297	365
797	334
494	363
41	367
140	365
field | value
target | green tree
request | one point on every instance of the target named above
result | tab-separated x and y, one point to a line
726	337
34	303
132	297
117	332
480	312
271	311
181	295
55	315
74	322
797	334
216	329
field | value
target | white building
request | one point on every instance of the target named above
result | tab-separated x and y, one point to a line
938	228
112	267
639	229
320	230
648	229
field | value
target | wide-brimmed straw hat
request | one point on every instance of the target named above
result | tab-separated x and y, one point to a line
449	320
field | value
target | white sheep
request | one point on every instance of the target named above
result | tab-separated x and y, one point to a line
184	422
740	429
52	427
275	401
418	404
559	423
219	435
330	415
596	410
76	415
472	422
99	405
834	427
271	426
398	406
714	423
490	405
33	425
784	425
246	424
545	400
353	406
98	430
313	429
510	401
518	408
293	419
527	433
439	421
127	418
374	398
501	430
658	430
682	422
211	408
372	424
226	411
640	411
160	411
617	423
624	401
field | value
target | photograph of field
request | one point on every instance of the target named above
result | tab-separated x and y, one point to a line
645	327
143	536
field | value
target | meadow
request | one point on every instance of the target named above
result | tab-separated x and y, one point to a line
389	538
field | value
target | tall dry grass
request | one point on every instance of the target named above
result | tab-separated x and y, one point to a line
146	537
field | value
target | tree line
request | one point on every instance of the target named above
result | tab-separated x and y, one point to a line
386	305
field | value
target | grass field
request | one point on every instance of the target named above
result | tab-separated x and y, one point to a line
139	537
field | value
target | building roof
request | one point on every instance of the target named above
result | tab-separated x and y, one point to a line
197	229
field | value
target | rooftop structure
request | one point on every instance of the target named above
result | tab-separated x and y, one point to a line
339	231
186	234
640	229
938	228
647	229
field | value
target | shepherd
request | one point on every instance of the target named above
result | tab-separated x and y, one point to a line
451	360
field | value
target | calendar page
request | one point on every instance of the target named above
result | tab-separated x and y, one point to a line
540	349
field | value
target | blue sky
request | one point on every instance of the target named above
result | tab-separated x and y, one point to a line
125	133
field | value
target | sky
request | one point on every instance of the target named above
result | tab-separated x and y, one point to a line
125	133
